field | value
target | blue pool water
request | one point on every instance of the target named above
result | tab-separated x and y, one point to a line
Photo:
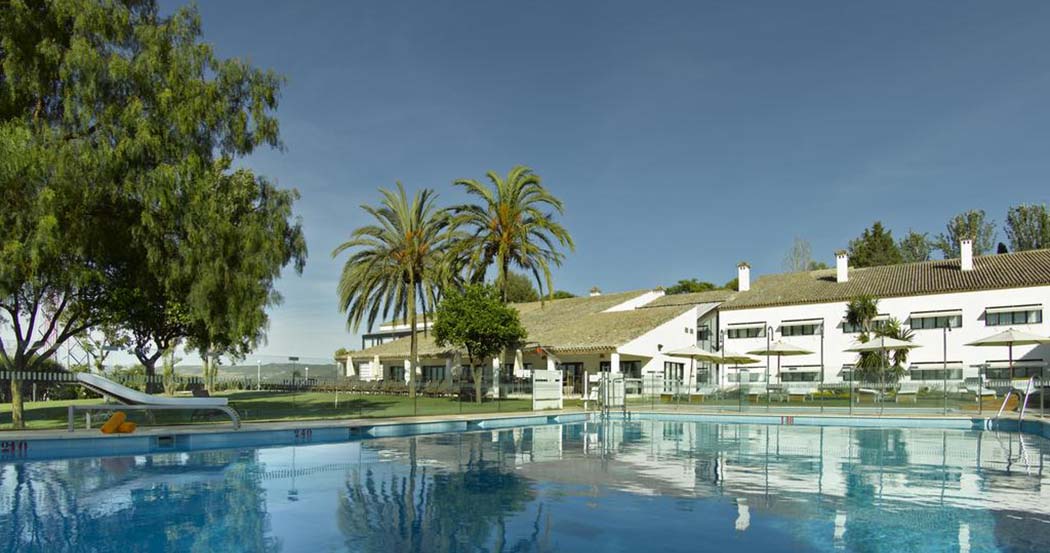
620	486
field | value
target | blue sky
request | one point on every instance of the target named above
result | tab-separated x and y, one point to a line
683	137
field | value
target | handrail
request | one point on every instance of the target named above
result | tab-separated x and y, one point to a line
1022	399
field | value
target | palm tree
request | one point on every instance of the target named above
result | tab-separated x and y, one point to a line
397	263
513	223
861	312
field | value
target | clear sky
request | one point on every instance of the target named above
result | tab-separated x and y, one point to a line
684	137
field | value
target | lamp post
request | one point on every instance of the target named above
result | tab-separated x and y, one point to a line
820	388
722	349
258	374
944	369
769	336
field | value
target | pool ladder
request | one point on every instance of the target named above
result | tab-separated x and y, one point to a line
1022	399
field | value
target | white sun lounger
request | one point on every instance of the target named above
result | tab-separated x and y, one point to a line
136	400
908	389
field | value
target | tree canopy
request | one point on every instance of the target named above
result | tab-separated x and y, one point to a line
800	258
915	247
690	286
519	288
118	130
972	224
874	247
476	321
513	223
1028	227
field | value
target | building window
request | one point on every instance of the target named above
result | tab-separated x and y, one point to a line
629	369
433	373
748	376
876	324
674	371
1018	317
703	375
936	374
799	376
799	330
926	322
746	332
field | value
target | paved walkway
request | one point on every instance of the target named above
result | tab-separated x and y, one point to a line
52	434
81	432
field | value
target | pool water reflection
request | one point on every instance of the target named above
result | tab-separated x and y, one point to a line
619	486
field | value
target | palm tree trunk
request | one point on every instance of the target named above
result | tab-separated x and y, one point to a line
504	268
413	340
17	421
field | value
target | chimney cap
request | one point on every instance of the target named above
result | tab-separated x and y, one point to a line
841	253
743	264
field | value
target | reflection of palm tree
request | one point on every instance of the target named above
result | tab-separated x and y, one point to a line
411	510
49	510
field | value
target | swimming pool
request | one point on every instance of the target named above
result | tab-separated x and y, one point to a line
660	483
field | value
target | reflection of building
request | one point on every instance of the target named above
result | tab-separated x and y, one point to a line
843	485
633	332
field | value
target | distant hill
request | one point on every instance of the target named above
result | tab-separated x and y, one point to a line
274	371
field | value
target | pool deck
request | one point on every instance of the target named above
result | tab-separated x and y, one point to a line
264	426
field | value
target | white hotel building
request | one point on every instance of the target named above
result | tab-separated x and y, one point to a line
947	303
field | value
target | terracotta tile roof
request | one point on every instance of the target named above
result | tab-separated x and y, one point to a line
692	299
991	272
566	325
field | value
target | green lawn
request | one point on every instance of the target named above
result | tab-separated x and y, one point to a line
280	406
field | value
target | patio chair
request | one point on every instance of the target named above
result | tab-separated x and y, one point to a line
908	389
704	391
804	391
876	395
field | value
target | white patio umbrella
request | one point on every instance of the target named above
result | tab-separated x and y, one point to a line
779	348
696	353
1009	338
736	359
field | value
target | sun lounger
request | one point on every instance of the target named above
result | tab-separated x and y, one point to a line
908	389
136	400
805	391
705	391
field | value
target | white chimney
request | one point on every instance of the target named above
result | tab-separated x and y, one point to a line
841	266
743	277
595	291
966	257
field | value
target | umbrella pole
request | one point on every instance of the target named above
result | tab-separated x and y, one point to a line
1010	350
882	378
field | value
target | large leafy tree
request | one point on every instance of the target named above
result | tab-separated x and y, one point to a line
228	267
875	246
914	247
972	224
116	123
398	264
513	223
1028	227
520	289
476	321
689	286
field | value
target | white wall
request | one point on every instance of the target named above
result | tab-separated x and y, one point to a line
670	336
973	305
